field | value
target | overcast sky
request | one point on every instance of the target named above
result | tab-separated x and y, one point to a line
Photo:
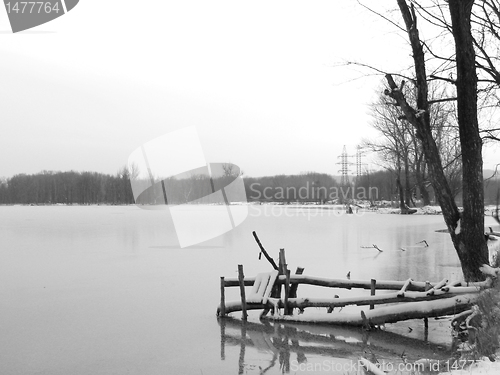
257	79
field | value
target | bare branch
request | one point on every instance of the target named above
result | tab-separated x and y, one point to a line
452	81
442	100
381	16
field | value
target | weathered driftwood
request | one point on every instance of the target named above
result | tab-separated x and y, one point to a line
422	299
389	314
302	303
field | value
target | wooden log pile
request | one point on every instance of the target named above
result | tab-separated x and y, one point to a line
410	299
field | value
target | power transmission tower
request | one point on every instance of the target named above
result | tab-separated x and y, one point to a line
344	179
345	163
359	163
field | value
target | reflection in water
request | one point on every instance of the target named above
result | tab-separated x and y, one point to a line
91	288
290	345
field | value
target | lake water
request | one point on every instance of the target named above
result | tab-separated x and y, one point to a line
108	290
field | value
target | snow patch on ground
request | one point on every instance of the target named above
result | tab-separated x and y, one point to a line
429	210
426	210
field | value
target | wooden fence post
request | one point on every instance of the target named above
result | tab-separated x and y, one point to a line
241	278
372	291
282	262
294	287
222	297
426	320
287	291
284	271
222	323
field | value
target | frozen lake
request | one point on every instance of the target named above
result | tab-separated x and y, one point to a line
108	290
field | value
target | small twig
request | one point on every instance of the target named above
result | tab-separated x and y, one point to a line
372	247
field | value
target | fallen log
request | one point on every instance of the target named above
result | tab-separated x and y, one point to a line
335	283
389	314
424	309
416	286
408	297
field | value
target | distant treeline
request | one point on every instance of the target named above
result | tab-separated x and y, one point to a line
97	188
67	187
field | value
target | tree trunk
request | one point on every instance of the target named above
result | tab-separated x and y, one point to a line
401	194
470	242
408	197
402	206
420	183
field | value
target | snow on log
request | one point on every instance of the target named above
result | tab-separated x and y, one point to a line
380	299
302	303
390	314
437	286
479	284
261	289
335	283
407	283
418	286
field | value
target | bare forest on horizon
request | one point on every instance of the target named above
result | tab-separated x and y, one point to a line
97	188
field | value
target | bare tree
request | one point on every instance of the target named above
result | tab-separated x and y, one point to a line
401	150
468	237
394	148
